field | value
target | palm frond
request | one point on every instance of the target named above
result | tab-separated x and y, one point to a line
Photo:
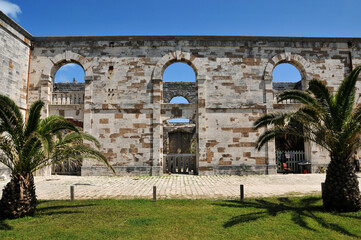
321	92
345	98
78	153
298	95
11	120
43	141
54	124
34	118
271	118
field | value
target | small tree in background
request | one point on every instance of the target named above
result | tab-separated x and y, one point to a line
331	121
25	148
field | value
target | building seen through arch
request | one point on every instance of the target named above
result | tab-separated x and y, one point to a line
67	100
287	148
179	132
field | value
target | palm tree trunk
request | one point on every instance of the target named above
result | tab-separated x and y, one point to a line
18	199
341	192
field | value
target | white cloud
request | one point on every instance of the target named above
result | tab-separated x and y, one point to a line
9	8
69	66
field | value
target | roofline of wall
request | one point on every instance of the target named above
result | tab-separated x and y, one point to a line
192	38
15	26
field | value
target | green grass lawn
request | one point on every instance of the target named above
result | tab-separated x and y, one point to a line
262	218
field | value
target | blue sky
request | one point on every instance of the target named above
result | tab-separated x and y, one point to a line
300	18
304	18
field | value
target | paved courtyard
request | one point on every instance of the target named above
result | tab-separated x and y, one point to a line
177	186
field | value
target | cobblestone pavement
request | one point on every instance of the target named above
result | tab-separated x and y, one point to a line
177	186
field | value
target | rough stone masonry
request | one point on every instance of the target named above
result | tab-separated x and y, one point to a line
124	102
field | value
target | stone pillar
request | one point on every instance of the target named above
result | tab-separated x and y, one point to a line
157	125
86	168
87	124
203	167
270	147
46	90
317	156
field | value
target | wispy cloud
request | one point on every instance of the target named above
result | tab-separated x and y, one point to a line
61	78
69	66
9	8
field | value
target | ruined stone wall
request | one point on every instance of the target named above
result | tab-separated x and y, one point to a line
124	104
14	60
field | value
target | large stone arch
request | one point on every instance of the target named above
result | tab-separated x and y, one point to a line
61	59
304	67
296	60
157	99
178	56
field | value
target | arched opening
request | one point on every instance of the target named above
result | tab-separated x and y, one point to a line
179	146
179	79
286	77
68	86
286	72
179	132
289	149
179	72
179	99
67	100
69	73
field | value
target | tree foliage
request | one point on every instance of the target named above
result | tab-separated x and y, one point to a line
27	147
328	119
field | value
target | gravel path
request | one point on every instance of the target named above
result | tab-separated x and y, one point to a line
177	186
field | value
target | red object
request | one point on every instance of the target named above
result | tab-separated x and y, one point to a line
305	171
285	167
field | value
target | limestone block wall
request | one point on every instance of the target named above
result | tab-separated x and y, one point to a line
14	63
126	140
14	60
74	112
124	93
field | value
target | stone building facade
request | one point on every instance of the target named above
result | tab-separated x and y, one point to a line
126	104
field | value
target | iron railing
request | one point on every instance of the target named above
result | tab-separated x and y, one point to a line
291	158
180	163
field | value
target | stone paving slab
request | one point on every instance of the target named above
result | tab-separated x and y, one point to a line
177	186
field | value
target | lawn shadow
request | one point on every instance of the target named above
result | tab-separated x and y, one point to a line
60	209
4	226
46	211
300	210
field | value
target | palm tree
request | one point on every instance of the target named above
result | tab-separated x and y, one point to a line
27	147
333	122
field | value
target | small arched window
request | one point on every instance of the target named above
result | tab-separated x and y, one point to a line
179	99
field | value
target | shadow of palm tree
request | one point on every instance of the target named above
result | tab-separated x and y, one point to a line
52	210
46	209
4	226
60	209
300	210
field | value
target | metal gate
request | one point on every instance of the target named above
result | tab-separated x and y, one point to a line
69	167
180	163
291	158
